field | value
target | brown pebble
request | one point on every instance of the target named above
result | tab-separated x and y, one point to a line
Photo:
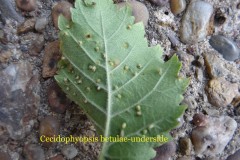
57	99
63	8
57	157
27	26
139	11
5	55
199	119
221	92
236	101
50	60
33	152
4	135
185	146
4	156
26	5
49	127
177	6
219	17
36	46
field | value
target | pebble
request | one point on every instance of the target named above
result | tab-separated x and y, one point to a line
159	2
139	11
186	59
3	37
63	8
217	67
36	46
200	119
219	17
186	158
5	55
165	151
50	60
235	156
190	102
238	6
8	11
199	74
237	111
221	92
26	5
33	152
185	146
27	26
41	24
49	127
57	157
211	139
3	135
19	98
225	46
173	39
177	6
57	99
4	156
195	25
69	152
236	101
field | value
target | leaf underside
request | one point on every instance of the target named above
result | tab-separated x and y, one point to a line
123	85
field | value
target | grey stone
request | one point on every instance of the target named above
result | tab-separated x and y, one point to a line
234	156
69	152
186	158
173	39
165	151
8	11
195	25
211	139
225	46
19	99
41	24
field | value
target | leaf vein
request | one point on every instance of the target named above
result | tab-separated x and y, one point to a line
92	103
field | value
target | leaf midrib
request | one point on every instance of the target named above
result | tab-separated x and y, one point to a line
109	88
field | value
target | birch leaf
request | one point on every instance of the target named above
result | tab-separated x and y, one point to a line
124	86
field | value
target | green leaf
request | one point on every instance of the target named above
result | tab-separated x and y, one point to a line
123	85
